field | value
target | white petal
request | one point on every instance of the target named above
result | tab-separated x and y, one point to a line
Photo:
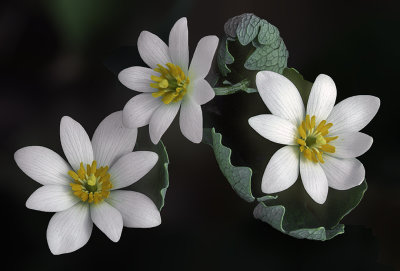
132	167
138	111
351	145
52	198
137	210
179	45
191	121
202	57
43	165
343	174
75	143
322	98
69	230
202	92
353	114
314	180
137	78
274	128
162	119
152	50
111	140
107	219
280	96
282	170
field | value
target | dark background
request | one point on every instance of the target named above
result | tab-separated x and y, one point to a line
51	65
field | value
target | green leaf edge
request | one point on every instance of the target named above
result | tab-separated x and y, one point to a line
242	188
264	213
165	158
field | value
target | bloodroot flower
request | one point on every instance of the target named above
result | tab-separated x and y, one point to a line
322	140
84	191
170	83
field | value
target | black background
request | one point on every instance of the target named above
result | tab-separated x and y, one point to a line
51	65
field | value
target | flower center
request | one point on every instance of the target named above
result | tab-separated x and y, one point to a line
92	185
313	140
171	84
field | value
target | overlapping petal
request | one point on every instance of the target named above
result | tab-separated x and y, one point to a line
137	78
280	96
52	198
111	140
202	57
137	210
282	170
43	165
153	50
138	111
191	120
107	219
351	145
161	119
314	180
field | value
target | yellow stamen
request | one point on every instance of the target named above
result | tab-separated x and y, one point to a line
313	140
172	84
92	185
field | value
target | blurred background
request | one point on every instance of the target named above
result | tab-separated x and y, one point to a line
52	56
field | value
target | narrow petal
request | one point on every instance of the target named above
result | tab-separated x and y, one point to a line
43	165
280	96
69	230
132	167
191	121
179	45
314	180
138	111
353	114
107	219
75	143
152	50
162	119
343	174
137	210
274	128
111	140
322	98
137	78
202	92
282	170
52	198
203	57
351	145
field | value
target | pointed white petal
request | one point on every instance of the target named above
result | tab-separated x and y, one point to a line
282	170
107	219
52	198
322	98
162	119
152	50
138	111
137	210
179	44
202	92
280	96
353	114
137	78
111	140
314	180
202	57
75	143
343	174
274	128
132	167
191	120
351	145
43	165
69	230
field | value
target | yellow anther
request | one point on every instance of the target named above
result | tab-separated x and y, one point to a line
73	175
301	142
320	125
163	83
329	139
81	172
312	122
308	123
328	148
320	140
302	132
156	78
91	180
94	167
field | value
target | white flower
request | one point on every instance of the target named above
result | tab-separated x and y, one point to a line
170	83
322	140
84	192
